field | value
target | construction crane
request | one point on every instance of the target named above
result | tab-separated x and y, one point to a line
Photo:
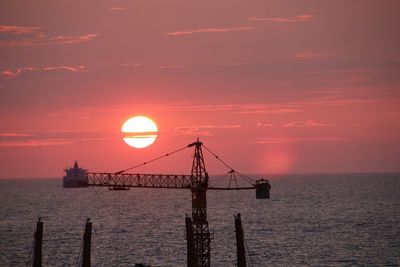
197	229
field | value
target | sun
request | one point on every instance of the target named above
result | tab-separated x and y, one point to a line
140	131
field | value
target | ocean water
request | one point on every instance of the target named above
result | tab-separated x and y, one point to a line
310	220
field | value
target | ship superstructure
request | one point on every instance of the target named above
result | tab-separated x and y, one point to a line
75	177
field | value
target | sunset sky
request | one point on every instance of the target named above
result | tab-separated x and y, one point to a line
270	86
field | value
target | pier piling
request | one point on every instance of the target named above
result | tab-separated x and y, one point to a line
241	252
87	239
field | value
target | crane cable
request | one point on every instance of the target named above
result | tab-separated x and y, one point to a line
144	163
248	179
218	179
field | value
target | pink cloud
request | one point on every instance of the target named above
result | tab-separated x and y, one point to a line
283	140
36	143
311	54
260	124
13	134
236	108
71	114
42	39
209	30
166	67
319	99
308	123
117	8
198	108
13	29
268	110
299	18
8	74
203	129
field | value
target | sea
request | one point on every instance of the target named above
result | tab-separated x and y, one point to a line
310	220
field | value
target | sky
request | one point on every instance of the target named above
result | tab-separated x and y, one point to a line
271	87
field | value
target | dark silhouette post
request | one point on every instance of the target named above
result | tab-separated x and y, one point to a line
37	255
87	237
241	252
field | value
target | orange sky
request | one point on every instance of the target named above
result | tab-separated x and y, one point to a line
270	86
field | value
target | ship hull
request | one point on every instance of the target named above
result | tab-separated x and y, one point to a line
74	184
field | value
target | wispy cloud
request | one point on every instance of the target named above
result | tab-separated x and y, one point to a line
71	114
41	40
261	124
283	140
204	130
36	36
151	67
268	110
198	108
36	143
312	54
9	74
166	67
314	99
211	30
308	123
299	18
236	108
40	139
14	134
117	8
13	29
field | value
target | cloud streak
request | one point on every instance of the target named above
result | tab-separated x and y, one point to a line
312	54
260	124
29	140
8	74
204	130
308	123
14	135
299	18
36	143
236	108
43	40
269	111
13	29
36	37
117	8
211	30
285	140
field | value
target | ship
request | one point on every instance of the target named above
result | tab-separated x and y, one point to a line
75	177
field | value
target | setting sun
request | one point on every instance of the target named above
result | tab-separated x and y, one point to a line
140	132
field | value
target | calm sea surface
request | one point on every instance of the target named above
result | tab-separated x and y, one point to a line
313	220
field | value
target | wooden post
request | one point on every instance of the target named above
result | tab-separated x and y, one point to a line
87	244
37	255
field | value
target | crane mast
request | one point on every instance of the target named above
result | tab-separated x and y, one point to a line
201	233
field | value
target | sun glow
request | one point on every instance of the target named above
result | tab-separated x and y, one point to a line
140	132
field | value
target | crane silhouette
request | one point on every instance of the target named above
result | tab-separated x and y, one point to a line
197	229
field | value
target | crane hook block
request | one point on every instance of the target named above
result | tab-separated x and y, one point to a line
262	189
